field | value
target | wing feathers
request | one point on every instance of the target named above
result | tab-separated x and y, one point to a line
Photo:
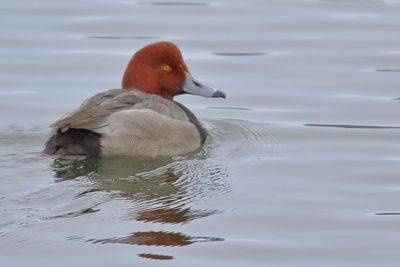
94	111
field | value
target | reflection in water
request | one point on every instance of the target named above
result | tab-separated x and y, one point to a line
105	168
149	183
161	191
155	256
152	238
172	215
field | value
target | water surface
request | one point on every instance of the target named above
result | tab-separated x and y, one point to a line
302	160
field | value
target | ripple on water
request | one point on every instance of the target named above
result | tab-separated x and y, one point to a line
239	54
387	70
352	126
171	3
353	1
387	213
115	37
160	191
231	108
231	138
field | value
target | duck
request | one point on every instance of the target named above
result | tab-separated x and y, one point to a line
139	119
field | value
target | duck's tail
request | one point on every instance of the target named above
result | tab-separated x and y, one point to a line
73	142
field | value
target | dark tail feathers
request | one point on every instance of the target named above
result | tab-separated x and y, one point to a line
73	142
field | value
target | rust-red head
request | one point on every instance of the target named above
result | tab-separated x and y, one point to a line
159	69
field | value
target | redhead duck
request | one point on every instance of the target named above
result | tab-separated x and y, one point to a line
141	119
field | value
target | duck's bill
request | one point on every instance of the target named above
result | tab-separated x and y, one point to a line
194	87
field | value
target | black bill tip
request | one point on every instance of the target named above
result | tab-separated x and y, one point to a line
219	94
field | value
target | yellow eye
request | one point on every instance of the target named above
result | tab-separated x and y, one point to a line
166	67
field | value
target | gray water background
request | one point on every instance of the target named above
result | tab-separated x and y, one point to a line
301	167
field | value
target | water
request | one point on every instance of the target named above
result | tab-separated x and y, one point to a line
301	164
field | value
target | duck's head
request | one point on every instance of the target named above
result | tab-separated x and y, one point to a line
159	69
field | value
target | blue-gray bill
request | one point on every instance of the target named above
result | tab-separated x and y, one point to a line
194	87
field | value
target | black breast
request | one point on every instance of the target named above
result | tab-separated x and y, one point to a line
73	142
